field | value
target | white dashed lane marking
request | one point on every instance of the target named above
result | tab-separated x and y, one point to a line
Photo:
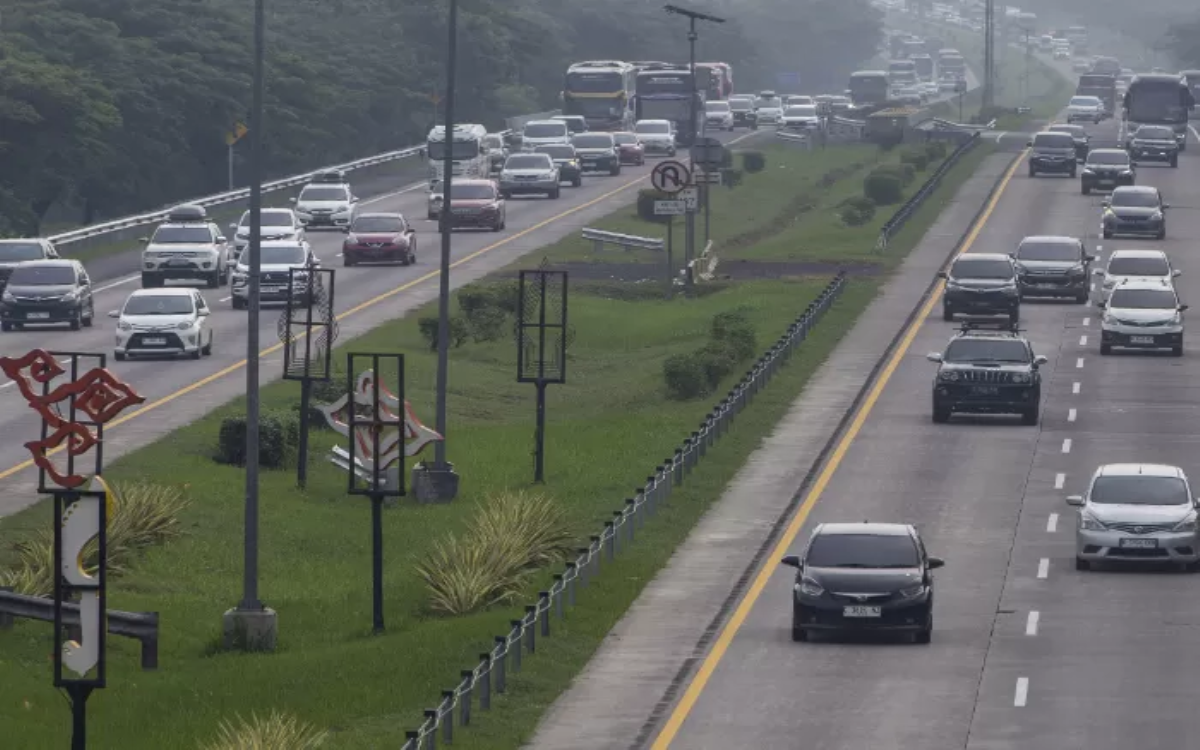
1059	480
1052	523
1043	567
1022	692
1066	446
1031	623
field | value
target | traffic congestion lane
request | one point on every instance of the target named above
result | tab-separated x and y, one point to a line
180	391
962	484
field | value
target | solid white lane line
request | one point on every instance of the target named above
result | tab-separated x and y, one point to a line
115	284
1022	693
1083	340
1031	623
1092	286
1059	480
1071	414
1052	523
1079	364
1087	322
1043	567
1066	445
226	299
1075	387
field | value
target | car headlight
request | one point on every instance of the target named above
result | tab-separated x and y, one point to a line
1088	171
1088	522
124	326
186	325
573	163
1077	271
911	592
1021	377
8	297
1010	287
950	376
1156	216
1126	172
809	587
1187	524
70	296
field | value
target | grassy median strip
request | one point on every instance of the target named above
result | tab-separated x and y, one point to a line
608	426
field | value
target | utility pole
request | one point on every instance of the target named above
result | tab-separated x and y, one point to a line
989	53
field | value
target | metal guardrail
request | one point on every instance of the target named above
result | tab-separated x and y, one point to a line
905	212
800	139
91	233
142	626
477	685
600	238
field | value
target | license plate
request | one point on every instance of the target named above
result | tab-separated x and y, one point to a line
858	611
154	341
985	390
37	315
1142	339
1139	543
272	288
177	262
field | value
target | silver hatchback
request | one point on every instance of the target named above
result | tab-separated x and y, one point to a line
1137	513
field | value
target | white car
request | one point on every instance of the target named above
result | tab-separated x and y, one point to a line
798	100
801	117
325	205
274	224
656	136
1137	513
1142	315
1134	265
274	282
1085	108
718	115
769	110
544	133
186	246
163	322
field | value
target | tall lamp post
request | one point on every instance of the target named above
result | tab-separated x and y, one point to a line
251	625
694	125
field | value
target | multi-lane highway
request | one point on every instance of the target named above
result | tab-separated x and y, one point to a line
1027	652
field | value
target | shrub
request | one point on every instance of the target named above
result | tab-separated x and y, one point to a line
917	157
719	358
512	535
856	211
143	515
753	161
735	329
936	150
645	205
487	324
278	435
883	186
731	178
685	376
460	331
277	731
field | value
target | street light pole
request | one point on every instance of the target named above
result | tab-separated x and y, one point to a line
252	626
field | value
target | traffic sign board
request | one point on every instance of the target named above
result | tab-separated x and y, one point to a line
670	208
670	177
708	153
690	197
710	178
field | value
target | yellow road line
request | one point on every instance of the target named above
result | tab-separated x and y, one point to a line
704	674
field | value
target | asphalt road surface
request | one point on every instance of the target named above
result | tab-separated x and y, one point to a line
1027	653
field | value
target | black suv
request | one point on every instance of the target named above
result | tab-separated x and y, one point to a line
987	372
1153	143
567	160
47	291
1053	267
744	115
981	284
597	152
1052	153
1107	168
15	252
863	577
1083	142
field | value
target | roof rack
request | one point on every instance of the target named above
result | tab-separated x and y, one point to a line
996	326
187	213
330	176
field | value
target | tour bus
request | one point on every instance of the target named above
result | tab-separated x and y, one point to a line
924	65
720	85
1103	86
600	91
868	87
1192	77
668	93
902	72
469	152
1159	99
950	61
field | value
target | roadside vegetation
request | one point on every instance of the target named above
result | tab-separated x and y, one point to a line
456	574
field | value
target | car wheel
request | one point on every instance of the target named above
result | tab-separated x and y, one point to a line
213	281
90	318
347	261
1030	416
6	326
151	281
1108	234
119	356
1106	349
577	182
1032	171
947	313
555	194
497	225
1085	189
799	635
77	320
431	216
412	254
1177	351
1175	163
1081	298
207	350
196	354
923	637
238	303
941	413
1162	235
1081	564
1014	317
1073	173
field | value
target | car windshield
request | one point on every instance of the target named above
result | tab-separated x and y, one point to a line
323	193
38	275
653	128
986	350
380	224
598	140
546	130
1139	490
281	255
1134	199
1115	158
801	111
528	161
182	235
493	141
1084	101
557	152
269	219
156	304
1072	130
1143	299
472	192
622	139
741	105
1053	140
716	106
1127	266
970	268
1155	133
862	551
14	252
1045	250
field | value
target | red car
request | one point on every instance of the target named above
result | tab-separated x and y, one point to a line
379	238
630	148
478	204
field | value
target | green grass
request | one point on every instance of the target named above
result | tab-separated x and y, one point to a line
607	427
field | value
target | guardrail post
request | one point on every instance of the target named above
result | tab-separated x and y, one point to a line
610	539
431	715
515	643
619	523
579	579
464	705
412	741
544	612
597	549
502	664
530	622
485	683
634	513
448	717
560	583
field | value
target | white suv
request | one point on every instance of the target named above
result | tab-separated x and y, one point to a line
163	322
275	224
1142	315
278	258
326	204
1134	265
187	246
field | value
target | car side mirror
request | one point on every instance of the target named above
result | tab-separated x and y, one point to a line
934	356
943	275
1088	258
1106	203
221	238
1040	360
1182	308
1165	206
1097	271
144	240
51	253
1100	304
233	228
316	262
1075	500
354	198
114	313
292	201
1029	144
934	563
203	312
792	561
1176	273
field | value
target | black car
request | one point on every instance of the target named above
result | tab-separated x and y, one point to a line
13	252
1053	267
863	577
1052	153
47	291
1083	142
1135	210
987	372
981	284
597	152
744	115
1106	168
1155	143
567	160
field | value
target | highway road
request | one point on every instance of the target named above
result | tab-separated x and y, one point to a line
1027	653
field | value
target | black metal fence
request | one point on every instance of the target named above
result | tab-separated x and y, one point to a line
477	685
905	212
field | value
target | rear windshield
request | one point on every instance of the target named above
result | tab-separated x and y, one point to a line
546	130
1139	490
1053	140
1043	250
862	551
970	268
13	252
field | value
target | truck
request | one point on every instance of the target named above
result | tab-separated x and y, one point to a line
668	93
1078	37
1103	86
1159	99
1192	78
470	155
719	82
951	63
868	88
902	73
924	66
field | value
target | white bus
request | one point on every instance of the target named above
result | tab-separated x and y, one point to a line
468	150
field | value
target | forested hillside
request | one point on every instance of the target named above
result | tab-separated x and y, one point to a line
113	106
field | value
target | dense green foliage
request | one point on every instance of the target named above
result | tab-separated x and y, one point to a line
119	105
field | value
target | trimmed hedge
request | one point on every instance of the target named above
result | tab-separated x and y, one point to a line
753	161
883	186
856	211
732	340
278	437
